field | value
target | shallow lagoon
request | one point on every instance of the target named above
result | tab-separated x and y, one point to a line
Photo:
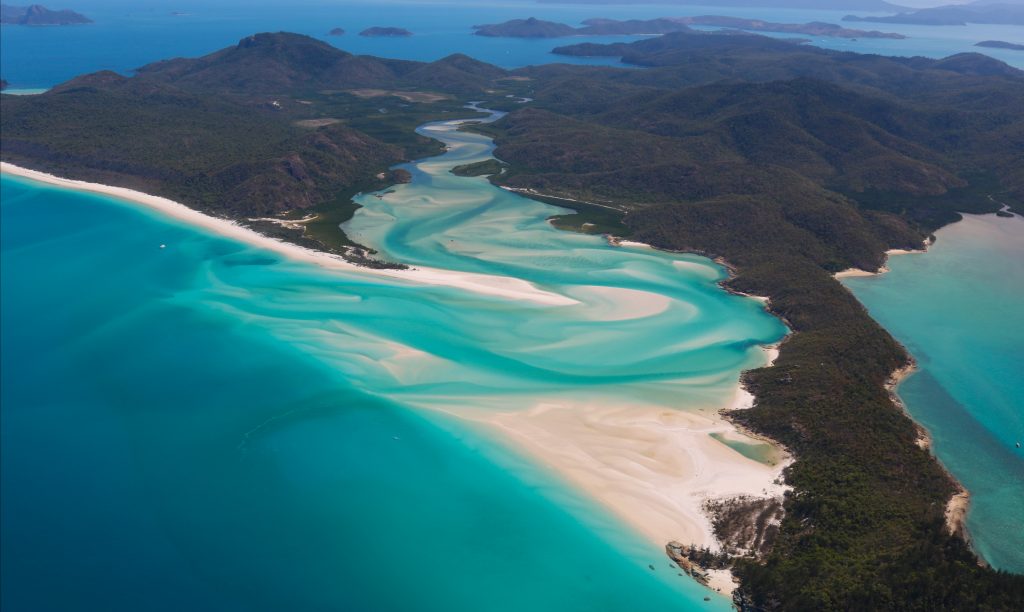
208	425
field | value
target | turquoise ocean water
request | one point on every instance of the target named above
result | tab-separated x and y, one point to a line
211	426
130	33
957	309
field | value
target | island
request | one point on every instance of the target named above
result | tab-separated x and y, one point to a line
525	28
377	31
38	15
814	28
3	84
336	32
861	5
662	25
985	12
484	168
787	162
1000	44
536	28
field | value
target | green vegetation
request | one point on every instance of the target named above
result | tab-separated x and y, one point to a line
791	162
385	31
526	28
214	155
487	167
587	218
217	134
791	179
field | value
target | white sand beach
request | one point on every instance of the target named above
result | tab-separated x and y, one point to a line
504	287
855	272
652	467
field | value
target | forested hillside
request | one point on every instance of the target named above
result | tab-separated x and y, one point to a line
791	162
275	124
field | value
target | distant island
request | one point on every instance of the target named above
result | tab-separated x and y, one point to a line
1000	44
3	84
537	28
526	28
39	15
384	32
336	32
814	28
978	12
606	27
859	5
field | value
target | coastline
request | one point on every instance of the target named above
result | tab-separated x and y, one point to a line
856	272
958	504
660	467
504	287
654	468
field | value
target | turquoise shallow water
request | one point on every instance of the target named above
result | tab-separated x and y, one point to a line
957	309
211	426
130	33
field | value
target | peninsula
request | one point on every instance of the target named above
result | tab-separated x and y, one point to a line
790	162
38	15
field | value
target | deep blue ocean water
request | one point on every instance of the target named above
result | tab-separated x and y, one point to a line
127	34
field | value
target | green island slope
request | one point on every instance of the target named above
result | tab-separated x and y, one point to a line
790	162
280	126
794	163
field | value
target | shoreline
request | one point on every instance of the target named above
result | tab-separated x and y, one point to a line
652	467
958	505
505	287
857	272
660	466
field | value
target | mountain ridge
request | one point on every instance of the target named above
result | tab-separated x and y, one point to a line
790	162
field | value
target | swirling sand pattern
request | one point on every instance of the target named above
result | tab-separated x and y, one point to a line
286	429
